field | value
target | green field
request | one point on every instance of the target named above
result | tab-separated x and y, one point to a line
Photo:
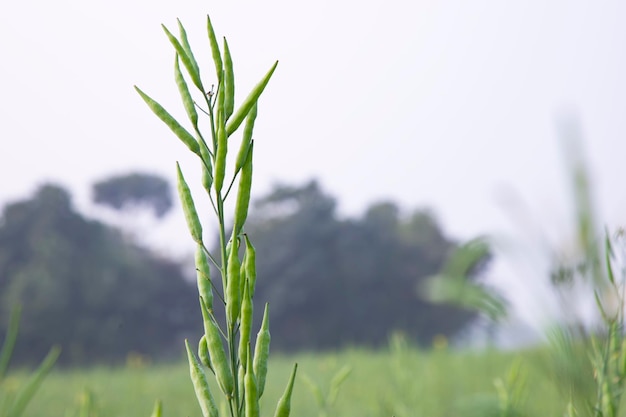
403	382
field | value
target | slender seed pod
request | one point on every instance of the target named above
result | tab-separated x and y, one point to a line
185	44
246	324
251	396
229	83
216	353
233	285
203	353
215	49
243	110
203	277
220	159
185	96
250	265
207	167
262	351
182	133
243	194
187	60
191	215
283	408
241	383
246	141
201	385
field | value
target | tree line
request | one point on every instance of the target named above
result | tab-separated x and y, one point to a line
330	282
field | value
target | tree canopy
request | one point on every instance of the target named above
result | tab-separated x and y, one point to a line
84	286
135	190
330	281
333	282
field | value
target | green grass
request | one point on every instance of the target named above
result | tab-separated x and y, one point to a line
406	382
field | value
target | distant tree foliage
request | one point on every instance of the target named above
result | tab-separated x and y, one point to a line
137	189
333	282
86	288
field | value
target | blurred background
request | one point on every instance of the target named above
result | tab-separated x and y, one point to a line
390	134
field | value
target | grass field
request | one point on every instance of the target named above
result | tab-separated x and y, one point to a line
397	382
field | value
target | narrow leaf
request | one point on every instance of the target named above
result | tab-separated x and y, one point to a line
9	340
27	393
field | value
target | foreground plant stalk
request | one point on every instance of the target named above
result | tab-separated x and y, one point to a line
225	349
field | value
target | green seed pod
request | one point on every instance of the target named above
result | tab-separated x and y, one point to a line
229	83
220	158
262	351
247	104
251	396
201	385
190	107
241	381
233	285
284	403
243	194
182	133
215	49
191	215
216	353
185	44
203	277
188	61
250	265
246	141
246	324
203	353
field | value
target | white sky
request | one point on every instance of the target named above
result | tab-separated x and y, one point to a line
444	104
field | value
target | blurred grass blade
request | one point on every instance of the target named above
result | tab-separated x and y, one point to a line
167	118
9	341
158	409
31	387
314	388
335	383
247	104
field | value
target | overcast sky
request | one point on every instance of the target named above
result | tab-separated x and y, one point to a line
451	105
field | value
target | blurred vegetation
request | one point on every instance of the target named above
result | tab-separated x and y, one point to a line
335	282
400	381
84	287
330	282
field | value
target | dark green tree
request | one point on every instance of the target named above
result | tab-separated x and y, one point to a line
84	286
135	190
333	282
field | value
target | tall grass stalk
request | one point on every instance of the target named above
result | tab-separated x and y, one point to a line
226	351
13	405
